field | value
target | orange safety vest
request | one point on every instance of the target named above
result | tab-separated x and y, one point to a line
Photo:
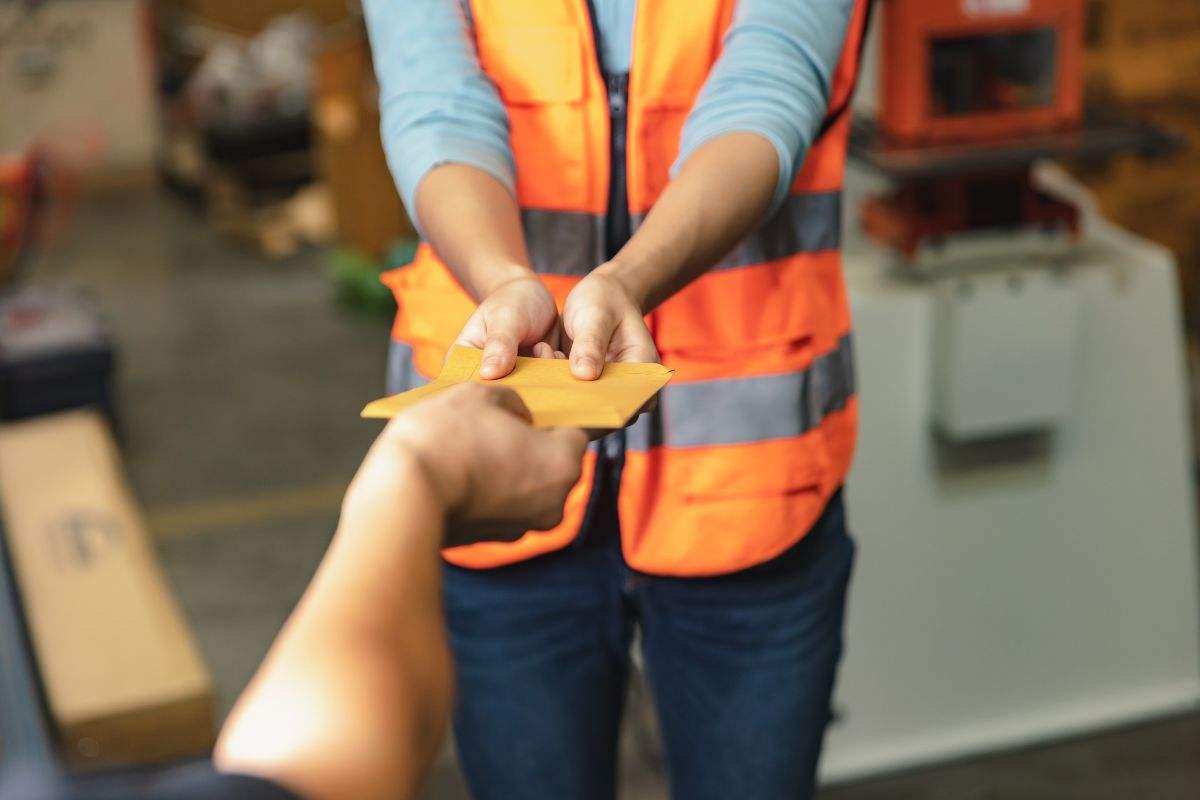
757	429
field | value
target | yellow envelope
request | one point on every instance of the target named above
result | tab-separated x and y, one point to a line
554	397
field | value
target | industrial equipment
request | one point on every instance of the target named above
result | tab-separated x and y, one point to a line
980	70
1022	494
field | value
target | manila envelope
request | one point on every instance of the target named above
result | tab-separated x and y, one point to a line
555	398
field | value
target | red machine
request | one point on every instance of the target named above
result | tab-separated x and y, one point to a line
973	92
978	70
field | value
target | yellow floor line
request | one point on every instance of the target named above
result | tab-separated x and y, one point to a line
235	512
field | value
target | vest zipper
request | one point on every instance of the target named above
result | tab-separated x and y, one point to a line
610	451
617	229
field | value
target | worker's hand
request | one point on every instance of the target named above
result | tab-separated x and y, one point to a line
516	314
494	474
602	322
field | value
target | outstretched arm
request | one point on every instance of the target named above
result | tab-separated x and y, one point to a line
698	218
445	132
353	698
759	110
473	223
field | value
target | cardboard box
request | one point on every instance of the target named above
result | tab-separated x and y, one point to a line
1128	74
1157	198
1143	58
250	18
1141	23
1143	50
79	79
122	675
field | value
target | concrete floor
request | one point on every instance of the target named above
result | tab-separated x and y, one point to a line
240	383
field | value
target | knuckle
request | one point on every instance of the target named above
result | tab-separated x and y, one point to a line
502	314
587	345
566	467
474	392
505	396
549	519
574	468
501	338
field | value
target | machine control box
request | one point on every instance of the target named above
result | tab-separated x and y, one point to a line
1004	353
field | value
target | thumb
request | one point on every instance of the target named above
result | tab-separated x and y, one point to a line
589	344
574	440
508	400
500	345
473	334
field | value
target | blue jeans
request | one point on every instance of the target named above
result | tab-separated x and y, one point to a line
741	668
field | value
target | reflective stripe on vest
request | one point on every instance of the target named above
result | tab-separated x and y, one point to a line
757	429
572	243
748	410
722	411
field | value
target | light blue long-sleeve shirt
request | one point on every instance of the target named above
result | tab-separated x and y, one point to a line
438	106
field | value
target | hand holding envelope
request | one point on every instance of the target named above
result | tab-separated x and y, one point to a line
554	397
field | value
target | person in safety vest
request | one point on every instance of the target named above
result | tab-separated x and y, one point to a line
636	181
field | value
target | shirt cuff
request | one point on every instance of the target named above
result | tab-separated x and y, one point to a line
782	184
409	172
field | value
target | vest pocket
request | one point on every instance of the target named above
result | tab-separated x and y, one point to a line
772	468
717	509
533	64
734	311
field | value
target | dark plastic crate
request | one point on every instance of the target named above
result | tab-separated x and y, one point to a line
55	354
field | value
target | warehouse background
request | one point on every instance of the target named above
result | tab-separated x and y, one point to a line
207	176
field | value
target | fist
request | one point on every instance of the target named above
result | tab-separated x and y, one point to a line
495	474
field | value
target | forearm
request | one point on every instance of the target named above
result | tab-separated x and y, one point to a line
771	85
473	222
352	699
437	105
698	218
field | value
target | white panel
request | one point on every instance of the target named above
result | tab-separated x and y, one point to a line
1030	596
1004	351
